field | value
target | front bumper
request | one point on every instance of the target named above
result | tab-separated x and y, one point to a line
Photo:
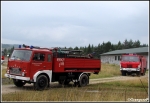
2	61
130	69
17	77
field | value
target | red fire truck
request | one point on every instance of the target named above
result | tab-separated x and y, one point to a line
41	66
133	63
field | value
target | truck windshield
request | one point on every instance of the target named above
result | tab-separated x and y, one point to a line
130	58
23	55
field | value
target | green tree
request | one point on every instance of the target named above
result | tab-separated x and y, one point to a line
76	48
70	48
136	44
119	46
92	48
89	50
11	50
112	47
108	46
130	44
126	44
5	52
144	45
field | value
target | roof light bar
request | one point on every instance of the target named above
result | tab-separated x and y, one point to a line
19	46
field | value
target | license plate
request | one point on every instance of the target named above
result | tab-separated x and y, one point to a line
129	69
12	76
15	71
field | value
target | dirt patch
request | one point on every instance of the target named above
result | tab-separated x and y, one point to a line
118	78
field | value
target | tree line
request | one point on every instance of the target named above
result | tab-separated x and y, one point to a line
100	48
8	51
108	46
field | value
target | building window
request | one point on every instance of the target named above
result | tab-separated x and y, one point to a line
118	57
115	57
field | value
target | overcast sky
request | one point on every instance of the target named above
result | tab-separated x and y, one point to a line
73	23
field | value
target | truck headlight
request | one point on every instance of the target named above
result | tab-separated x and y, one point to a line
23	73
7	71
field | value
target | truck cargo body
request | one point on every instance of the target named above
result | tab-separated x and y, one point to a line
76	65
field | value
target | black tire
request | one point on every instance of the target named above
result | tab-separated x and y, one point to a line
143	72
41	83
138	73
19	83
84	80
129	73
123	73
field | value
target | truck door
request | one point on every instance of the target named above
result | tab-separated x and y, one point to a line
48	62
39	62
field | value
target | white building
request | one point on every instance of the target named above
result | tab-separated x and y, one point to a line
113	57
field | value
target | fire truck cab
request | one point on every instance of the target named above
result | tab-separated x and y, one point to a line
133	63
41	66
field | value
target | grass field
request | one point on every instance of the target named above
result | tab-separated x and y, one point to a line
111	91
107	70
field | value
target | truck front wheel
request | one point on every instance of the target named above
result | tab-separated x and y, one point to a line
19	83
84	80
138	73
123	73
41	83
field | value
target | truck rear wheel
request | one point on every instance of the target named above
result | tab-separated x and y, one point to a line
143	72
84	80
41	83
19	83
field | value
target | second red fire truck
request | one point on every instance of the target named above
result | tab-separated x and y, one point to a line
133	63
41	66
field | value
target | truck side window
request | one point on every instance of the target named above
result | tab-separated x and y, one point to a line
39	57
49	58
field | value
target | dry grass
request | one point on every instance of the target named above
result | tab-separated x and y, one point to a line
112	91
4	64
107	70
3	71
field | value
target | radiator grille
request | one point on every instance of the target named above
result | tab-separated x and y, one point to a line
16	71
